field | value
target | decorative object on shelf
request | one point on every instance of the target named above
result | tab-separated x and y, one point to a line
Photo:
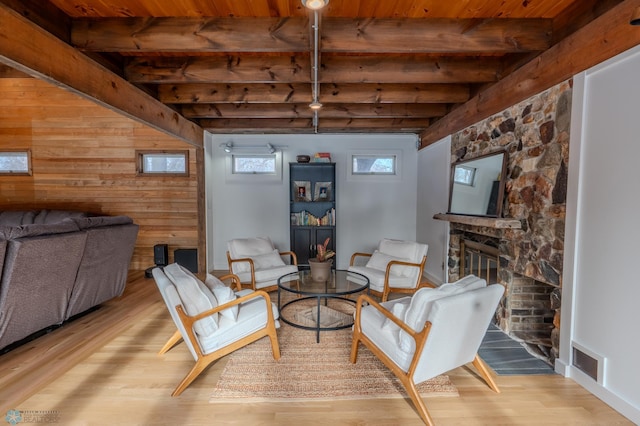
322	157
303	158
302	190
322	191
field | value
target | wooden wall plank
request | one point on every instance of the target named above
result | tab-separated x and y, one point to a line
84	159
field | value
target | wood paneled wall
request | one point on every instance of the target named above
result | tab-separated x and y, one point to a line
83	158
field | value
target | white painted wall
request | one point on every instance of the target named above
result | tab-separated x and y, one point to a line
601	288
368	209
434	170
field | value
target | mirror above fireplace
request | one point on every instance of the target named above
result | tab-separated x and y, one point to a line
477	185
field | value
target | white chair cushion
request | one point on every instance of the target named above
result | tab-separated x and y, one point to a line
398	308
403	249
267	277
252	316
420	306
376	278
379	261
249	247
194	298
268	260
386	339
223	295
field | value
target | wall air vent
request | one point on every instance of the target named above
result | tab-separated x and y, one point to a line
588	362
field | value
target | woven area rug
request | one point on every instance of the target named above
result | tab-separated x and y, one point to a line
312	371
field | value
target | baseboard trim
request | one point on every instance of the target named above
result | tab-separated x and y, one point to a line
611	399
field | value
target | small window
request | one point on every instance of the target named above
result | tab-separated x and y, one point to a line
464	175
254	164
173	163
15	162
374	165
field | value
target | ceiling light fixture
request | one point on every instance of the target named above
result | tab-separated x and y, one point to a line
315	4
229	147
635	18
315	105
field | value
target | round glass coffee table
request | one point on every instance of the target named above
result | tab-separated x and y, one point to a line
319	305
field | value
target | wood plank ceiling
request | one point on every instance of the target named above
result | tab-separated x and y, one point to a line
246	66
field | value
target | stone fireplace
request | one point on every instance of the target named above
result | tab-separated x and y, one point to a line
527	242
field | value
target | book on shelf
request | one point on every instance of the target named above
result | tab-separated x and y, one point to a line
304	218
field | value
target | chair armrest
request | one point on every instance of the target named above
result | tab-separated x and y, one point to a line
235	281
237	301
357	254
241	260
401	263
387	313
293	256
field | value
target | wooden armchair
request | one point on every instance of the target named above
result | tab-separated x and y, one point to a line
257	262
426	335
396	266
212	319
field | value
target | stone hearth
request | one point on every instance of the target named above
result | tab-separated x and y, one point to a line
535	133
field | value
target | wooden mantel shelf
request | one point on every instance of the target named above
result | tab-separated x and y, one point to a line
491	222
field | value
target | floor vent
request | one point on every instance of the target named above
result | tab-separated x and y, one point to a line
588	362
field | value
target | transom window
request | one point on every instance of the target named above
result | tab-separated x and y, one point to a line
15	162
254	164
175	163
374	164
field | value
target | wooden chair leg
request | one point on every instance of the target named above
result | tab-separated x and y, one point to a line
354	347
201	364
484	373
173	340
413	393
275	347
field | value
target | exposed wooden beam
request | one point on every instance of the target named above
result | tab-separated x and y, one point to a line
191	34
292	35
28	48
605	37
302	125
303	110
8	72
411	69
190	93
435	35
391	93
272	125
44	14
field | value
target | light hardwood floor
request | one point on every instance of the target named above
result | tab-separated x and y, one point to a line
104	369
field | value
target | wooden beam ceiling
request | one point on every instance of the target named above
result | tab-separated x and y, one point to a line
244	66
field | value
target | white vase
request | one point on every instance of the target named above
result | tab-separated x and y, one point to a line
320	270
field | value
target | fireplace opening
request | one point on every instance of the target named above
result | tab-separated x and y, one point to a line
527	311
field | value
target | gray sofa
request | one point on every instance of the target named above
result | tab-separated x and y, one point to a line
55	264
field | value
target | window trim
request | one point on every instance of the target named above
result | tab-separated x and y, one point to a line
377	177
254	178
265	156
140	154
28	172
